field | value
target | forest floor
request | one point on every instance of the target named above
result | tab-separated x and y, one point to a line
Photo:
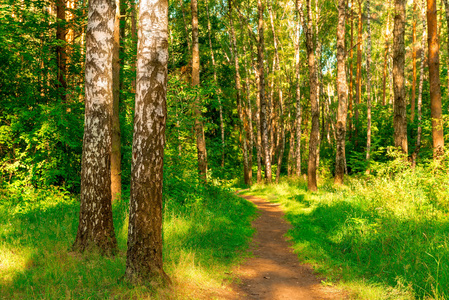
274	272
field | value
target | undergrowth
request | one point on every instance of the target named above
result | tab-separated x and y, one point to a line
206	230
381	236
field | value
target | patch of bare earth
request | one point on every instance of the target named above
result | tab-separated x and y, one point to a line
275	272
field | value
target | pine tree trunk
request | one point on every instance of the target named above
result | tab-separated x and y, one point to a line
446	6
61	49
342	90
214	68
264	109
95	227
420	88
358	88
235	53
144	255
413	100
116	177
249	118
434	81
400	107
351	88
199	128
368	83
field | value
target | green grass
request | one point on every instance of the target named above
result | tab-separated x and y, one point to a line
205	234
378	237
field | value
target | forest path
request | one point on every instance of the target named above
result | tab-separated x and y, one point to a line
275	272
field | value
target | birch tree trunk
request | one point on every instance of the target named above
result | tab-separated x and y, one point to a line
342	90
144	255
413	99
400	107
95	228
264	113
199	128
298	94
434	80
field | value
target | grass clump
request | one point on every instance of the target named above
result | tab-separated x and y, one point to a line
381	236
205	234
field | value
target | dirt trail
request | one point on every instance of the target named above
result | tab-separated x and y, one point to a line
275	272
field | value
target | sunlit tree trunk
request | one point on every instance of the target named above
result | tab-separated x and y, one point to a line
434	80
342	90
368	82
144	255
358	82
413	100
400	107
351	57
264	111
315	110
199	128
298	94
214	69
446	6
95	227
387	47
238	93
249	116
116	177
421	80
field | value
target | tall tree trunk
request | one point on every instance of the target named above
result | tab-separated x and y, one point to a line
413	100
264	113
61	49
298	94
446	6
199	129
434	80
358	83
258	123
214	68
95	228
246	169
319	86
368	83
351	57
387	47
249	116
400	107
315	110
342	90
116	177
420	88
144	255
134	43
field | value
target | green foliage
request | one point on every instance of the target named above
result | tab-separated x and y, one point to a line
382	236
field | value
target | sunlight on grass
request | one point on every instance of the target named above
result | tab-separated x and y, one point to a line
378	237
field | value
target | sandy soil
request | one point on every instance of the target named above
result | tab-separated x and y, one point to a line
275	272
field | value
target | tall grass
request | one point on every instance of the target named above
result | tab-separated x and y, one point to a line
382	236
205	232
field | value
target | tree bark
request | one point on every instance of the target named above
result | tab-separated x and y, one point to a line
420	88
246	169
214	69
434	80
298	94
264	111
358	83
61	49
116	177
400	107
144	255
342	90
446	6
368	83
95	227
351	88
199	128
413	99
